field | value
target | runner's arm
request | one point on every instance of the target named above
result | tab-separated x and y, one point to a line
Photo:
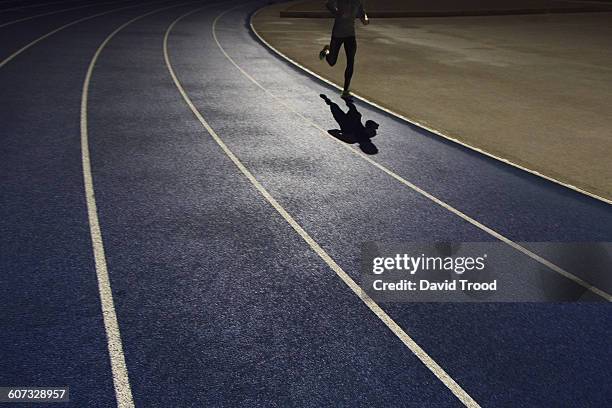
362	14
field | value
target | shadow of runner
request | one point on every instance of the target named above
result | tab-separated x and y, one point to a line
351	130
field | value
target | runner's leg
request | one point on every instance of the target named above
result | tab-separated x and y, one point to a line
334	49
350	47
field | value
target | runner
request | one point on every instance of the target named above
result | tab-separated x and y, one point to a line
345	12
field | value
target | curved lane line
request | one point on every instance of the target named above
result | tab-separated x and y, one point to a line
50	33
434	367
123	392
423	126
599	292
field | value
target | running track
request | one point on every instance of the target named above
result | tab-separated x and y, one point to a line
179	230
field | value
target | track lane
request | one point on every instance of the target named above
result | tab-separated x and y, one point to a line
52	325
166	193
14	53
551	324
434	367
31	6
123	391
18	13
28	18
244	307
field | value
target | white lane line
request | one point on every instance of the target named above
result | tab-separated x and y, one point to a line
422	125
50	33
438	371
123	391
54	12
419	190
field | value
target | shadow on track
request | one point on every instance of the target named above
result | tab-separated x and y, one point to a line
351	130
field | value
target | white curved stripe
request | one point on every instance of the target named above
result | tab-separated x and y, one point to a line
434	367
50	33
123	392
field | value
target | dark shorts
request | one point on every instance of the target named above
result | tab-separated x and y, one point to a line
350	48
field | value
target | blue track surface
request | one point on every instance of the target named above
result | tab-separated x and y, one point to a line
219	301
